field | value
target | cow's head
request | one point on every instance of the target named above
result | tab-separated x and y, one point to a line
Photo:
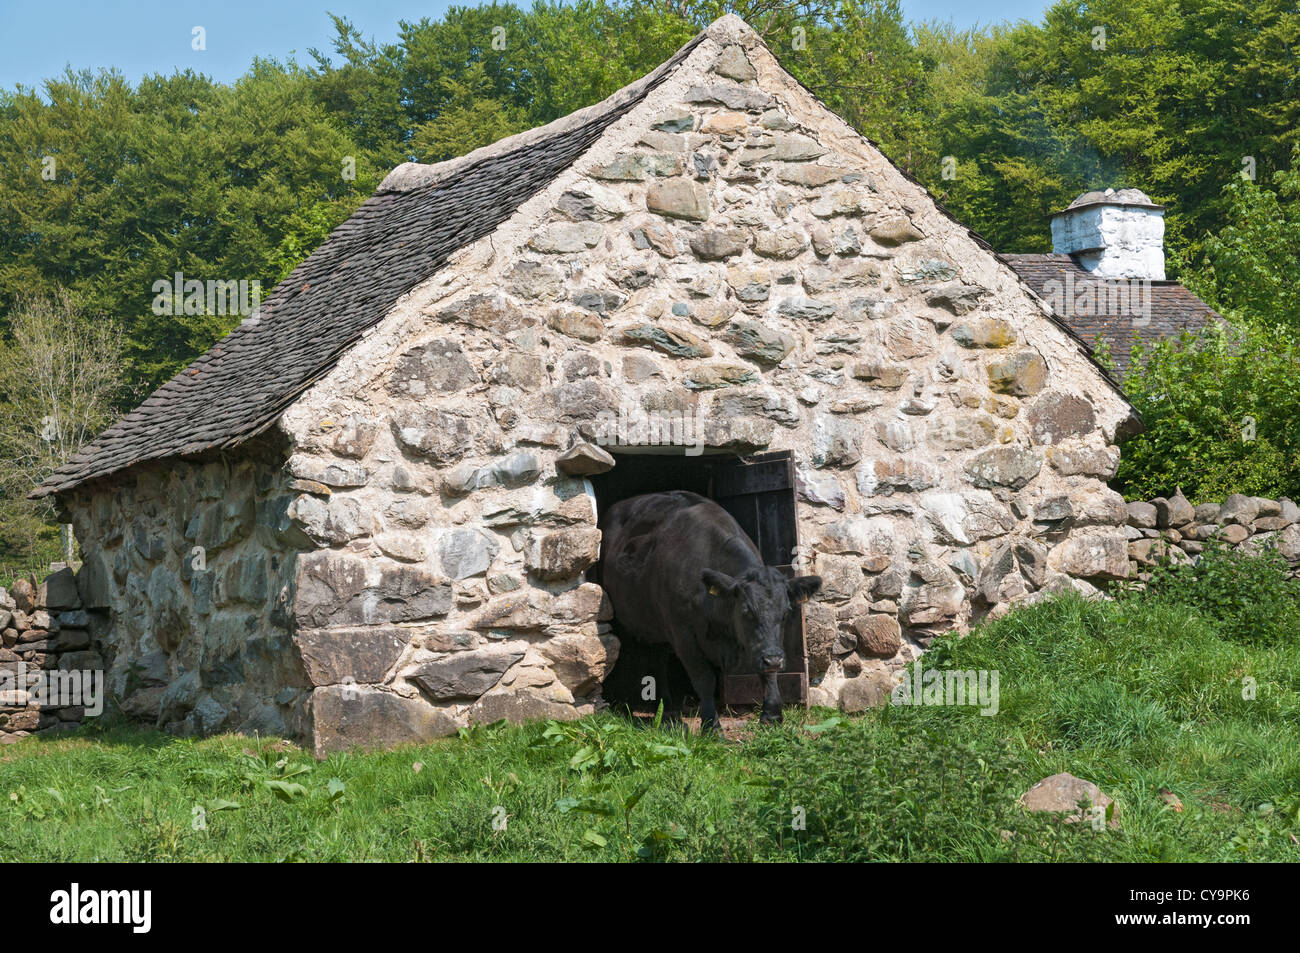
758	602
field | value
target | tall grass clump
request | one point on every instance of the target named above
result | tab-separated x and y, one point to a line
1249	594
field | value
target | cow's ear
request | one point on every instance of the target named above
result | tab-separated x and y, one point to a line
803	587
718	583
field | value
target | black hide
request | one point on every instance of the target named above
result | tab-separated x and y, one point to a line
678	569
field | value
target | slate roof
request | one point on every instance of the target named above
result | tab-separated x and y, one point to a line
1172	308
398	238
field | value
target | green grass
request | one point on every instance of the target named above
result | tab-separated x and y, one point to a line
1137	696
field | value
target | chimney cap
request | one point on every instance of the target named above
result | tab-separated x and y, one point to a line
1125	198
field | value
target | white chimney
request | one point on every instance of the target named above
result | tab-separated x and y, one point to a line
1113	234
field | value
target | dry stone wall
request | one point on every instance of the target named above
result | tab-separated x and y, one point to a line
731	256
45	648
1173	529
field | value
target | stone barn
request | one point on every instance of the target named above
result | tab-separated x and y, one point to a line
371	514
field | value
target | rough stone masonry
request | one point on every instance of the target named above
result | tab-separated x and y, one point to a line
404	551
50	676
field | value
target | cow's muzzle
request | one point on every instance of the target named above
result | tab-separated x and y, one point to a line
773	663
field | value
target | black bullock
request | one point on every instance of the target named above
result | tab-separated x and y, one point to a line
679	569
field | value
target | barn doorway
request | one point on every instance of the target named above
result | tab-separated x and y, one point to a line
759	492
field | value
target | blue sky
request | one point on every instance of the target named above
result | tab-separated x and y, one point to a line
38	39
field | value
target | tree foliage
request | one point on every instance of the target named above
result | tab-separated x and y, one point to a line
1167	97
1219	416
1252	265
109	189
60	372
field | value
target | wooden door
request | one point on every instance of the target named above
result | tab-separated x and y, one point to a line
759	491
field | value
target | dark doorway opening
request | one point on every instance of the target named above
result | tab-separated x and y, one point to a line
759	492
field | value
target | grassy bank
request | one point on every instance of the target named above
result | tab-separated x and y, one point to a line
1138	697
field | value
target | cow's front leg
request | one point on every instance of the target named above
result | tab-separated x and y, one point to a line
709	721
704	679
672	699
705	683
771	699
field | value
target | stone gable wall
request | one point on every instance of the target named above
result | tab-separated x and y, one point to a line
729	253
